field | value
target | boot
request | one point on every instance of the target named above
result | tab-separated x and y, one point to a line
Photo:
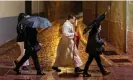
17	71
56	69
105	73
77	70
85	74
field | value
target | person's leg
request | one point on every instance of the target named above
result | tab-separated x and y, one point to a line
78	63
21	44
57	61
90	59
36	63
77	60
20	63
98	60
26	64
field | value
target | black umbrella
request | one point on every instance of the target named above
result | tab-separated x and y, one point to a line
95	22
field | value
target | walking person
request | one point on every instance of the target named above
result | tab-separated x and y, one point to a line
20	42
67	52
30	43
94	48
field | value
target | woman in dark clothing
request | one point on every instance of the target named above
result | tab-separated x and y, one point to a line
20	36
94	42
30	42
20	41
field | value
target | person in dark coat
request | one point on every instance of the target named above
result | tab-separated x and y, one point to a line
30	42
20	40
93	43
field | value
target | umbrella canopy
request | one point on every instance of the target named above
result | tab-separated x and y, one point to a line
95	22
36	22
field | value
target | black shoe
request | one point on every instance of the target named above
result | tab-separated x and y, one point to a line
17	71
85	74
105	73
15	62
56	69
77	70
40	73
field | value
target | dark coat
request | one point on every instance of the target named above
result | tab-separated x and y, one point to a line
94	41
20	36
31	37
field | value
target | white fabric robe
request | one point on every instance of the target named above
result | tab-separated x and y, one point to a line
65	57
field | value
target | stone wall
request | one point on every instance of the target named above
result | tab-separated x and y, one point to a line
114	25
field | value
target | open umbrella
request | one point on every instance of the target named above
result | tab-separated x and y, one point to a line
95	22
36	22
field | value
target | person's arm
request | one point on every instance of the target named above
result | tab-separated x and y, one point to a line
98	40
17	29
67	31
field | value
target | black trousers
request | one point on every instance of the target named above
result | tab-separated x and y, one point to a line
29	52
98	60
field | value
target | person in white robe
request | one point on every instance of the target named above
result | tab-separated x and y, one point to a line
67	52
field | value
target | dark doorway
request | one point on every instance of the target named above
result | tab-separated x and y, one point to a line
77	7
28	7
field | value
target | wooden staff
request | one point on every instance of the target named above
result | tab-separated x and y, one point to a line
74	39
